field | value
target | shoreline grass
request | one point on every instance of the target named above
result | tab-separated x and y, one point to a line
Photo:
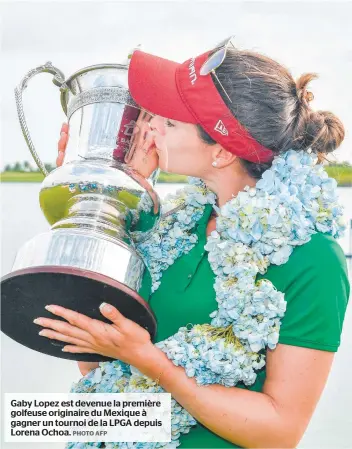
11	176
342	174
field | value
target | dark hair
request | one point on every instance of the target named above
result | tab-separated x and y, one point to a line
273	107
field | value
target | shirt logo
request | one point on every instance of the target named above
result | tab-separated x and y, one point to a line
221	128
192	71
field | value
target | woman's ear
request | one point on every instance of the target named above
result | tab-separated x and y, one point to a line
222	157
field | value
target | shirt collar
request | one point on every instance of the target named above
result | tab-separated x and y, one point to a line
205	217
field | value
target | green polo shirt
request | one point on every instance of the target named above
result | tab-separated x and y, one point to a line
316	287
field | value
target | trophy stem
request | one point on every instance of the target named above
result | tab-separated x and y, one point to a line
100	213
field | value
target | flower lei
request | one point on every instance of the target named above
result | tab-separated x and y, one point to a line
294	199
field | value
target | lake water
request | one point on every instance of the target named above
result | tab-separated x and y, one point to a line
24	370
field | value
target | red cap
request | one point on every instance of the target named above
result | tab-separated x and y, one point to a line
179	92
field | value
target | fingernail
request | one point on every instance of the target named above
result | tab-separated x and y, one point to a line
37	321
41	333
64	349
50	308
62	134
107	307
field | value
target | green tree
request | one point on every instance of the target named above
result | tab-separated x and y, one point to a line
17	167
27	166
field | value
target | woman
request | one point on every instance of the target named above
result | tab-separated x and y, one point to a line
233	119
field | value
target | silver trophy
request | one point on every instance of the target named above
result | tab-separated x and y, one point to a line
99	204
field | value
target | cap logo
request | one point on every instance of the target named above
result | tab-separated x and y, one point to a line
192	71
221	128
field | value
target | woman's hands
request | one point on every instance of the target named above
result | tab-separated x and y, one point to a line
62	143
123	339
141	155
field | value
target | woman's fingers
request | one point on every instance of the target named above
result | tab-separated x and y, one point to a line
112	314
63	137
78	349
61	146
62	143
58	336
77	319
65	328
60	159
64	128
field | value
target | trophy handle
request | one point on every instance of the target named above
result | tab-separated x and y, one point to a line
58	80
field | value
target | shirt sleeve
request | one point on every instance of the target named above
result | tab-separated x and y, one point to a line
316	287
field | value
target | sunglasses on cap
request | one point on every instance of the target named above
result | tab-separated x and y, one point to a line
215	61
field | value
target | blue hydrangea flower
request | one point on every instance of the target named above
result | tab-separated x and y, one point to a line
260	226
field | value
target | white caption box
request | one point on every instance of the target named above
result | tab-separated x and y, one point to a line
81	417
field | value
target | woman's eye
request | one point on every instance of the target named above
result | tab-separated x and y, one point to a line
168	123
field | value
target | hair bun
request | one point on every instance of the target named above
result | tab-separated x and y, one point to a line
321	131
324	131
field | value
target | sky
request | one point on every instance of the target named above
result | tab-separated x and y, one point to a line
305	37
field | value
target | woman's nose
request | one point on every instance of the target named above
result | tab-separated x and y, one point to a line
157	124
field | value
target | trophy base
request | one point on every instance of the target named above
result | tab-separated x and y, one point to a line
25	293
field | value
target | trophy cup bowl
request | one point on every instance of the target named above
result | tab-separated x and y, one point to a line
95	203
